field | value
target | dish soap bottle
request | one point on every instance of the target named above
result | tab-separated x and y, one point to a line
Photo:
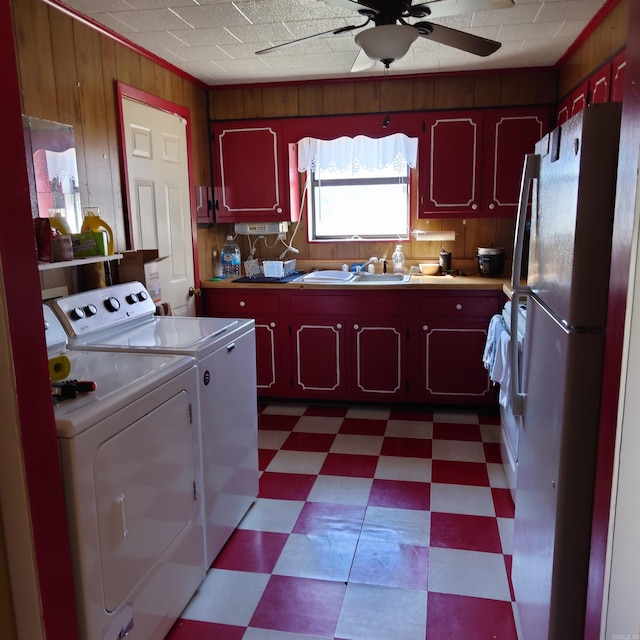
93	222
398	260
230	258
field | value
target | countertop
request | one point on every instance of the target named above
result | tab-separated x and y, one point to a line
416	282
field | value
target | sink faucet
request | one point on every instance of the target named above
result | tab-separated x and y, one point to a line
372	260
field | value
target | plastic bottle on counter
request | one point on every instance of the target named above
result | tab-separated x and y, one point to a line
398	260
230	258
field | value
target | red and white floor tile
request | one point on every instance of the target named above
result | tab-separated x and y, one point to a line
371	524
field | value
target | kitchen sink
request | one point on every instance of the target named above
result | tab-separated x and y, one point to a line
380	278
341	277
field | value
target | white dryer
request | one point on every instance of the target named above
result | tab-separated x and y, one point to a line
122	318
130	462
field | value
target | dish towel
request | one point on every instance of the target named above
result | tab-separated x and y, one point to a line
502	369
496	327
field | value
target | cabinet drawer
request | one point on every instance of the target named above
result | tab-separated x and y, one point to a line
241	303
461	305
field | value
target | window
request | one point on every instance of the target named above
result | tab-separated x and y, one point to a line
358	187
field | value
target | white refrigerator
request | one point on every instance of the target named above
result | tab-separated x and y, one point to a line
571	179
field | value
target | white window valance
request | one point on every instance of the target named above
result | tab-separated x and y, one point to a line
361	152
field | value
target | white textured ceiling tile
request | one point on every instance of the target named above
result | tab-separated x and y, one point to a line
91	7
154	40
277	10
204	37
150	19
520	14
569	10
157	4
304	28
212	15
200	53
546	30
112	22
571	29
269	31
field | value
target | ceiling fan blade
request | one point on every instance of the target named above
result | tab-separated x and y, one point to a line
442	8
334	32
362	62
457	39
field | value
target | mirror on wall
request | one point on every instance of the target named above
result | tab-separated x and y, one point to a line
53	172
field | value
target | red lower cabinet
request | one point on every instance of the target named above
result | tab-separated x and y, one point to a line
319	363
409	345
377	358
452	336
450	367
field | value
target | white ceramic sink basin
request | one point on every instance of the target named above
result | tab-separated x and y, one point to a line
341	277
380	278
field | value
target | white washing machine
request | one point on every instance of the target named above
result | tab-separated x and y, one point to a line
130	461
122	318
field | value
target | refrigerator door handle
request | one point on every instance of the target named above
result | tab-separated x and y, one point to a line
515	374
530	172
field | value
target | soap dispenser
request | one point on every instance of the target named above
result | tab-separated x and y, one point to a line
398	260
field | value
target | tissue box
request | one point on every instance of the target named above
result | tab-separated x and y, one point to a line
142	266
277	268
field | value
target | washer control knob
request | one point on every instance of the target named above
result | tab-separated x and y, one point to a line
77	313
143	295
91	310
112	303
132	298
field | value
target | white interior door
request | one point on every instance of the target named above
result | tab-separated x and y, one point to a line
158	179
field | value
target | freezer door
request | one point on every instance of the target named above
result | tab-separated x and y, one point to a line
556	468
572	216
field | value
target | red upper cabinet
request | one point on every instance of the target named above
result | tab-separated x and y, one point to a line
573	103
600	85
450	162
471	161
250	169
618	66
508	136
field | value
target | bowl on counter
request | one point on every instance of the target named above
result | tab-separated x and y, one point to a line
429	268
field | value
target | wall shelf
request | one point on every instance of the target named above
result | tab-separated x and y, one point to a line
46	266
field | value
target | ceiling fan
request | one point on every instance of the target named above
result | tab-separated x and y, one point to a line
392	35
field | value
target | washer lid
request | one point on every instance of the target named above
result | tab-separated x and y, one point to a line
183	335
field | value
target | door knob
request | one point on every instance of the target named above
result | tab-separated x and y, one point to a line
193	292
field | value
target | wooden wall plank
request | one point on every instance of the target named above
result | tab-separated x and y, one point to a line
252	100
99	185
128	66
163	83
117	206
453	92
280	101
35	59
423	94
310	99
367	97
339	98
397	96
487	90
147	75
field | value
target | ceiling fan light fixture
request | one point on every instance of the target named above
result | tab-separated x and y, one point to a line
387	42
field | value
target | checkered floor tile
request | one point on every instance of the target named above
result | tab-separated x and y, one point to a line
371	523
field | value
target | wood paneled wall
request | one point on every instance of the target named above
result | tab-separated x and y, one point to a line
68	72
607	39
523	87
